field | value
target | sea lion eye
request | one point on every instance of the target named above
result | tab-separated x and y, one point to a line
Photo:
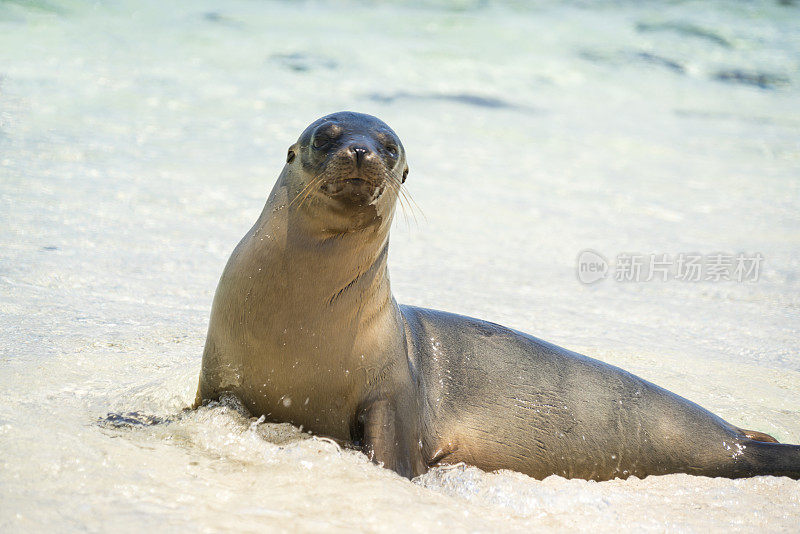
290	156
320	140
325	135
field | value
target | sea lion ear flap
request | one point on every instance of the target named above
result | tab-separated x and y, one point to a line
405	175
292	153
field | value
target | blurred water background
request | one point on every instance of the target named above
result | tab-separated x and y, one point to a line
138	142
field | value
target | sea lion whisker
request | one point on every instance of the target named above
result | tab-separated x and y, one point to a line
308	187
403	190
303	190
404	196
410	199
395	185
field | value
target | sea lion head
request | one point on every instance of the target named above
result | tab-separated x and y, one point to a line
348	166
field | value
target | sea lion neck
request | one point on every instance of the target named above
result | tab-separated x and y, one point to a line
306	244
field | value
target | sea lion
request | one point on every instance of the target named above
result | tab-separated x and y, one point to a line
304	329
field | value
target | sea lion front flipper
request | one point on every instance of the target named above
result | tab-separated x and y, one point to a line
383	441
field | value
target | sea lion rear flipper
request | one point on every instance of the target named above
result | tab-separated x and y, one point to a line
758	436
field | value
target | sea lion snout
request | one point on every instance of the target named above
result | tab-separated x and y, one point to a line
359	158
355	171
359	154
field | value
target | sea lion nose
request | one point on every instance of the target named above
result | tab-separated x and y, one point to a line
359	153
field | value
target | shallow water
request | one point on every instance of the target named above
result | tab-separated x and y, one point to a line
138	143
